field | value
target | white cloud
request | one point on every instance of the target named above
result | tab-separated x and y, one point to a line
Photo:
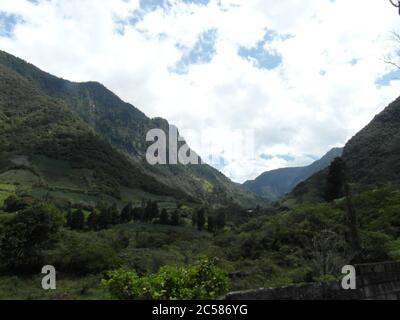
323	92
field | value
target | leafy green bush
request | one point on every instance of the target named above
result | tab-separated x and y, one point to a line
83	253
26	237
393	248
203	280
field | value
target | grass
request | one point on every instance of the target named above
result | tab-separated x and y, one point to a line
68	288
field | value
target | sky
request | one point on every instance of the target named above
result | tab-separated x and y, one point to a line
256	84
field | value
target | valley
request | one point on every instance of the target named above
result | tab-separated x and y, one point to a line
77	193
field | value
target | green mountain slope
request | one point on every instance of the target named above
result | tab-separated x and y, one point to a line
274	184
125	128
372	157
43	143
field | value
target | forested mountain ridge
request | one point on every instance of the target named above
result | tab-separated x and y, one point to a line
373	154
35	128
372	157
125	128
274	184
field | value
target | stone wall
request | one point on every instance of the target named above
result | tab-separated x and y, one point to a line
375	281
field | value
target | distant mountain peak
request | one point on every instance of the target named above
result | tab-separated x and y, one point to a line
274	184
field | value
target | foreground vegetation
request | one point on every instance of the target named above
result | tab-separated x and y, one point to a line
114	252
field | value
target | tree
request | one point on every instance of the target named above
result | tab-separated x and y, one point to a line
164	217
394	59
201	219
27	237
108	216
69	219
351	218
114	214
151	211
395	5
337	187
175	218
138	214
194	219
105	218
76	220
327	249
210	223
220	220
93	220
335	180
127	213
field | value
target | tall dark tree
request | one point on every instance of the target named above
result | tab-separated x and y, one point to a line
105	218
352	225
93	220
201	219
78	220
164	217
210	223
127	213
152	211
194	219
138	214
175	218
69	219
114	214
220	220
335	180
338	186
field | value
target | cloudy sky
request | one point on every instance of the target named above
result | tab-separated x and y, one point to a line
288	79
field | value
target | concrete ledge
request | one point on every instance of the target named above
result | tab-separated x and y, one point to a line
375	281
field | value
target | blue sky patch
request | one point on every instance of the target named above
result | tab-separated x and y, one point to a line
353	62
199	2
285	157
201	53
151	5
386	78
7	23
145	7
266	156
264	59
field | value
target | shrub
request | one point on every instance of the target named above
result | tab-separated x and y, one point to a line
14	203
27	236
203	280
83	253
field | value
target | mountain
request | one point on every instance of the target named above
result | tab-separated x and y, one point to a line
118	126
274	184
372	157
44	143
